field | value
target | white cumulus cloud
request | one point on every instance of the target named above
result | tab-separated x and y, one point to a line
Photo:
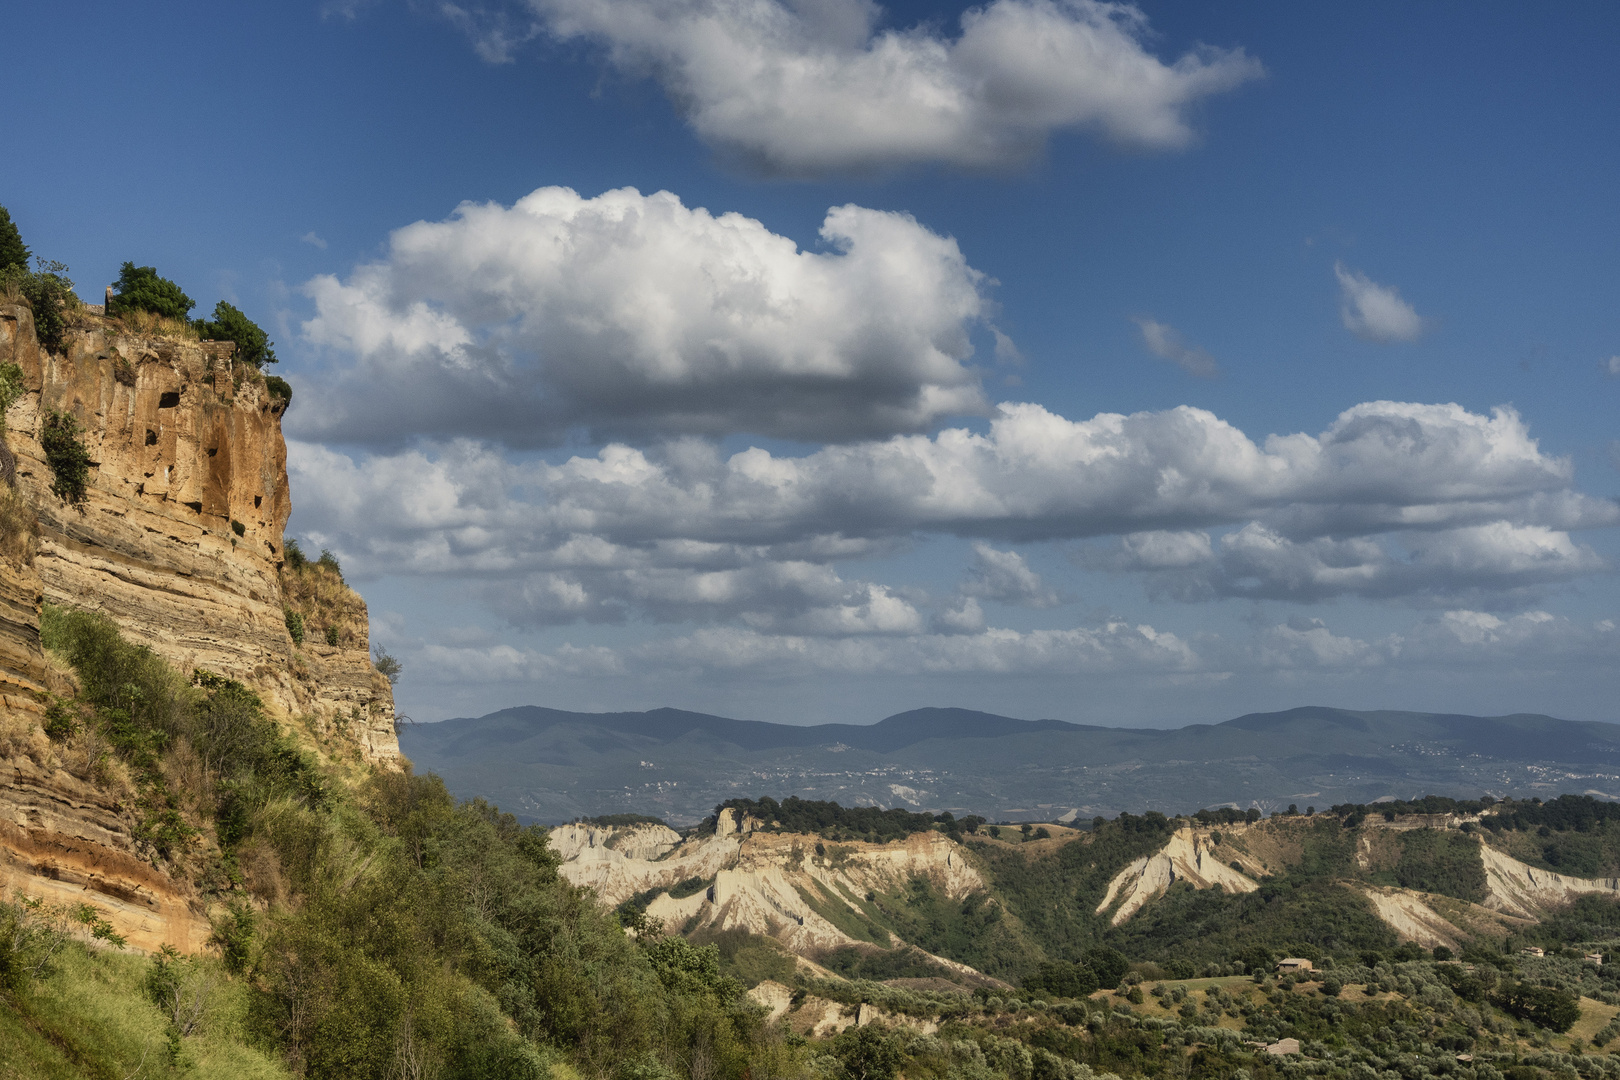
814	86
1394	500
1375	312
634	313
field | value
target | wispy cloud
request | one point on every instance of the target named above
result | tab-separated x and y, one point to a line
1375	312
496	32
348	10
1163	341
313	240
809	88
1613	364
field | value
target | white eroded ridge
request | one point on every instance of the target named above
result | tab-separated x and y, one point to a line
1514	888
1187	857
773	884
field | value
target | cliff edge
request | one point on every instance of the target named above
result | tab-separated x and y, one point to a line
179	541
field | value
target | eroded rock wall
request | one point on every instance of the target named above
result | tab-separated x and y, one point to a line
760	881
183	444
186	448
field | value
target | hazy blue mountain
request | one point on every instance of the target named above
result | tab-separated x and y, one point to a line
548	765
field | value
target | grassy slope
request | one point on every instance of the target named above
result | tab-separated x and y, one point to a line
93	1019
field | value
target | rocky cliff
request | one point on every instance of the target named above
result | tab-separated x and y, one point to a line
806	894
1187	857
179	541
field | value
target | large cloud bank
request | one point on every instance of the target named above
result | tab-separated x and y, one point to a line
631	313
1393	500
812	86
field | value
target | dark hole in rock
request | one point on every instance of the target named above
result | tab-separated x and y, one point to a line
169	400
212	450
195	506
257	499
151	437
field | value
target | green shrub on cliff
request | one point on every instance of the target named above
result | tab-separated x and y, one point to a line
65	453
48	293
253	345
139	288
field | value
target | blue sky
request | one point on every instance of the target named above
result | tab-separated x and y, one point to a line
526	427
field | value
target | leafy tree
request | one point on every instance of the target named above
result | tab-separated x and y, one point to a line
1110	966
1062	979
253	345
388	665
139	288
13	252
1545	1006
868	1053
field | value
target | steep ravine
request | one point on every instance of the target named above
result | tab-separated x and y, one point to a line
183	444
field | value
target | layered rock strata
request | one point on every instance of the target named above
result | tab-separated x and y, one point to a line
179	541
179	538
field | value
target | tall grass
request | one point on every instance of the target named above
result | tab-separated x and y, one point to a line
93	1017
155	325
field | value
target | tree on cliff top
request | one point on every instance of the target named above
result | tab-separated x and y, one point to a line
140	289
13	252
253	345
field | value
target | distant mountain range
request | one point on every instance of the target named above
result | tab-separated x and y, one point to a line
550	766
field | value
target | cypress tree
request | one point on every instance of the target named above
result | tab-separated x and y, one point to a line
12	248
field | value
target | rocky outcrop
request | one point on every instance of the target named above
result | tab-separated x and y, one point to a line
774	884
1514	888
819	1018
1405	913
1187	857
580	843
24	673
68	842
179	541
179	538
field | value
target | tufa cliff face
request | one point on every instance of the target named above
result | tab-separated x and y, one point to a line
182	444
185	447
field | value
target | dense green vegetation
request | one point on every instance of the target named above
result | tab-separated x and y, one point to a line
139	288
1439	861
377	931
67	456
381	928
253	345
45	289
13	252
831	821
619	821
